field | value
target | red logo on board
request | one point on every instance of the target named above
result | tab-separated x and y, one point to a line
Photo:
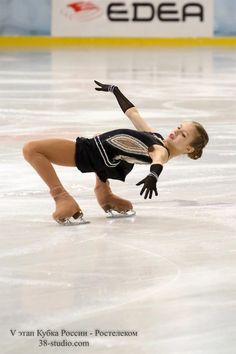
82	11
82	6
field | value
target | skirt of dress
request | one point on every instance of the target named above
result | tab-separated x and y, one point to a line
89	159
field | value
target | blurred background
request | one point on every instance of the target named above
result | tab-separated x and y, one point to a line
33	17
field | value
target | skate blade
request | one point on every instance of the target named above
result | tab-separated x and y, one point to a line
112	214
71	221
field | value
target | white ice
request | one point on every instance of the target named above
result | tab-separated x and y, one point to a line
168	272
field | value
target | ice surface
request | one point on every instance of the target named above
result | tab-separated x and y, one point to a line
168	272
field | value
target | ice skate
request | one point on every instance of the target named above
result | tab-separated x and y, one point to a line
114	206
67	210
113	214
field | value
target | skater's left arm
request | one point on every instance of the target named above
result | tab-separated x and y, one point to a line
159	156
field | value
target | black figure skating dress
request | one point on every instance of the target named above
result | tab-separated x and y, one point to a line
114	153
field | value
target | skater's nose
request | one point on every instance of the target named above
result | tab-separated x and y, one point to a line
177	131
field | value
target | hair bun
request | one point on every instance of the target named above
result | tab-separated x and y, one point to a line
196	154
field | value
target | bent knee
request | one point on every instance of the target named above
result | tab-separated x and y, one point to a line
29	149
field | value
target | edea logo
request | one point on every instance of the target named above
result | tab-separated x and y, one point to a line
145	11
163	11
81	11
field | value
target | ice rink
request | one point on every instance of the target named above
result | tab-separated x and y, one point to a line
169	272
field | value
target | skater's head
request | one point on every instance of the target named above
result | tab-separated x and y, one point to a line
188	138
199	141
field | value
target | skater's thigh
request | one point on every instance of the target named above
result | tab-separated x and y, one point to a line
58	151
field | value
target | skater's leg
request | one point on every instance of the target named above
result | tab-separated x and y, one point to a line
109	201
41	154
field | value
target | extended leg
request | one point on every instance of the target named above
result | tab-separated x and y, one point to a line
41	154
109	201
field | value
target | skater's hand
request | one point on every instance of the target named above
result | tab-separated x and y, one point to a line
104	87
149	186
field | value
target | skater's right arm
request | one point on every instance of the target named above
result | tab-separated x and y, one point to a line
139	123
127	107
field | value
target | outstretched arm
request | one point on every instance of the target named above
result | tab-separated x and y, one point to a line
127	107
139	123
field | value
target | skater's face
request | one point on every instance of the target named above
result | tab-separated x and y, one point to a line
181	137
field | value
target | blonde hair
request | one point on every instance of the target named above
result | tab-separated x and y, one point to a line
199	142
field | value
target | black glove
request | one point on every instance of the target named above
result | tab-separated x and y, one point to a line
149	186
150	182
123	101
104	87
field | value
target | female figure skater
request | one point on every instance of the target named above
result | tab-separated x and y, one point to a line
112	155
